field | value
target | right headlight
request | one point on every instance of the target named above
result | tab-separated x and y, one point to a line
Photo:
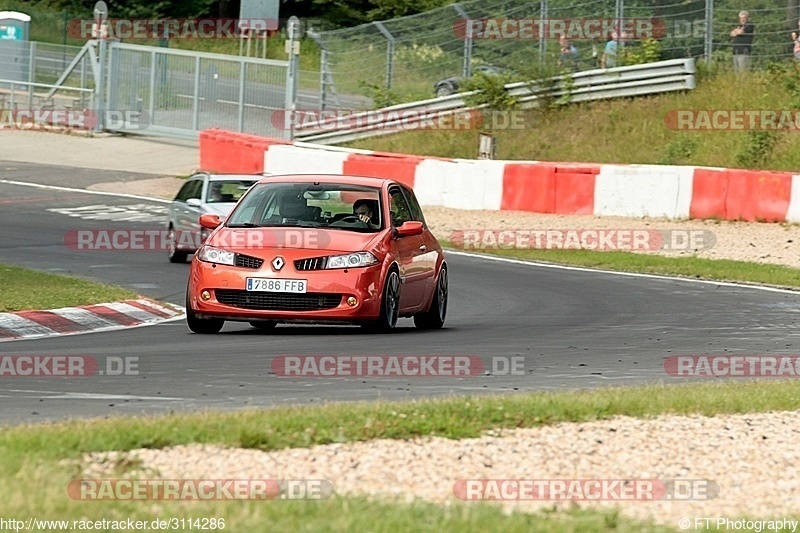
210	254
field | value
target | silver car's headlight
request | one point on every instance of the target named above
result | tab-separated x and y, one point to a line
210	254
358	259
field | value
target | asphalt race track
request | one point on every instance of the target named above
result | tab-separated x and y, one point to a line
575	328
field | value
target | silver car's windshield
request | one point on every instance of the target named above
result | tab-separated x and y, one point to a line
309	205
227	191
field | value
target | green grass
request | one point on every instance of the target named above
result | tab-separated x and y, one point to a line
43	458
28	289
633	130
688	267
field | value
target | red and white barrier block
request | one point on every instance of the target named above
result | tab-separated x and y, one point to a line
657	191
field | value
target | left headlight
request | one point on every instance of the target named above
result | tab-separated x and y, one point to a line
211	254
358	259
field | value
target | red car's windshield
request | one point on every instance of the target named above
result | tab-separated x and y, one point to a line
326	205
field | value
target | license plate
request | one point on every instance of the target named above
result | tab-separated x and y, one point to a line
276	285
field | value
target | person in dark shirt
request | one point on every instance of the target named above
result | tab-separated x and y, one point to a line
742	40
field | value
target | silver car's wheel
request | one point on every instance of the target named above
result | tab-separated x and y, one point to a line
175	255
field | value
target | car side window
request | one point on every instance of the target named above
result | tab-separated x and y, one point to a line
416	210
184	193
196	191
399	207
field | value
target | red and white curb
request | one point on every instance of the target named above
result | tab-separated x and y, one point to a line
87	319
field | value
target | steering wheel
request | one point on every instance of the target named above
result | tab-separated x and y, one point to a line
351	218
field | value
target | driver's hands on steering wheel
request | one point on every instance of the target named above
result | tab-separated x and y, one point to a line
365	219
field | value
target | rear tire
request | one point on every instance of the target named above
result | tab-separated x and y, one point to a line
175	255
205	326
390	305
434	317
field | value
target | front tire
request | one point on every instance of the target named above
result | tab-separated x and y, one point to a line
205	326
434	317
390	305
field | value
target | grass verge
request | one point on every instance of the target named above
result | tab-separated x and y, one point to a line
25	289
688	267
638	130
43	458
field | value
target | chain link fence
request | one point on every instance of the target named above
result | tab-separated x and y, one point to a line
402	59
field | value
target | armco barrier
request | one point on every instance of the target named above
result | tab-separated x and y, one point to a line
658	191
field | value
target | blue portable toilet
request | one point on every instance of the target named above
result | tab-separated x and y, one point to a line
15	55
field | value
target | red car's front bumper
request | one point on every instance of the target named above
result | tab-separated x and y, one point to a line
325	299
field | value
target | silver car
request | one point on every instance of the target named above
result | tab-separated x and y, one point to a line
202	193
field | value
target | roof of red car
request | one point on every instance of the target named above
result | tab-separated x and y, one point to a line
327	178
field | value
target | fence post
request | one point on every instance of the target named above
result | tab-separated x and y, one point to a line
542	24
196	96
323	87
151	103
293	31
31	70
389	52
466	71
709	40
242	83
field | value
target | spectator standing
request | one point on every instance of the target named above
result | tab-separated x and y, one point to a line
742	41
569	54
610	52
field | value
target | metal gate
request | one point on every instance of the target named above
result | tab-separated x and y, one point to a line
177	93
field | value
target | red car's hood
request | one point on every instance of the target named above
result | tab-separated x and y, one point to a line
252	240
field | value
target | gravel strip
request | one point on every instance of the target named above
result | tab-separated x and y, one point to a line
754	458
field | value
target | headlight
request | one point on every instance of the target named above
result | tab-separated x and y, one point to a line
210	254
359	259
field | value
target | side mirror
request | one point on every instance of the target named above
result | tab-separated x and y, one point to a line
193	202
410	228
210	221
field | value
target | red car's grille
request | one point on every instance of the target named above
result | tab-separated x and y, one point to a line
248	262
278	301
312	263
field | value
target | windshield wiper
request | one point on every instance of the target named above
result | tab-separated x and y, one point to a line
245	225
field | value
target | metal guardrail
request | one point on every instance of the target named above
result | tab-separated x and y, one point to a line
618	82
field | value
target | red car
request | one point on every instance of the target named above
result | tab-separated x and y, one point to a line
321	249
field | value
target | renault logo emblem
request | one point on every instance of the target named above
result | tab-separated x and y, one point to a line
278	263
